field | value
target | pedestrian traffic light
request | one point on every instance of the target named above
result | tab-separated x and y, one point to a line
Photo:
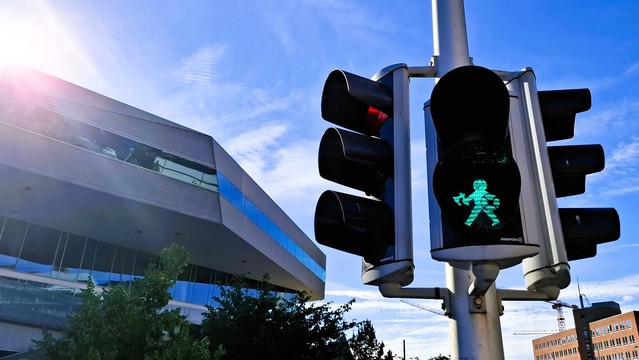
374	157
475	182
553	172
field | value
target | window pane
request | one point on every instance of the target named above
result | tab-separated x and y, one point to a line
180	290
102	263
127	266
187	273
118	264
11	242
225	186
71	261
89	254
38	250
209	181
142	261
104	257
250	211
199	293
182	172
59	254
236	197
203	275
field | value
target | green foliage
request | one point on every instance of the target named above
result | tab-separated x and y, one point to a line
364	344
389	356
130	322
270	327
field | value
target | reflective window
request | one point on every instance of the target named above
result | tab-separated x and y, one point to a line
31	248
126	273
71	263
259	218
103	263
200	293
118	272
46	122
47	252
38	250
90	249
11	239
142	261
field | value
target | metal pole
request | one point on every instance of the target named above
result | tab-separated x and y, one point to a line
450	41
473	335
404	343
476	334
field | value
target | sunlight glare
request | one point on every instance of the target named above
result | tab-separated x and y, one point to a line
19	42
32	35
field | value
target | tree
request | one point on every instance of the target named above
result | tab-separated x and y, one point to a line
130	322
389	356
364	344
270	327
439	357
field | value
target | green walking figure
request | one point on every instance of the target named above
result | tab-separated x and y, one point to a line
483	202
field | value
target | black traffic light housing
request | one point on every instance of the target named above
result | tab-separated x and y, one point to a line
474	178
582	228
372	156
552	172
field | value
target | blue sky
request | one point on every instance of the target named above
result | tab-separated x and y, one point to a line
250	74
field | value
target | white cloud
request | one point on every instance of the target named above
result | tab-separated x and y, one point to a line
253	149
632	70
287	171
625	154
200	67
353	19
622	166
427	334
607	119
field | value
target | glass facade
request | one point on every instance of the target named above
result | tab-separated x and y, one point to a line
64	128
43	121
241	202
34	249
35	303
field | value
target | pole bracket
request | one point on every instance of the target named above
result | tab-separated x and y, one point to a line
395	290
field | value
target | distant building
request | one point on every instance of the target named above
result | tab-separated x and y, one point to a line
601	332
91	187
583	323
615	337
561	345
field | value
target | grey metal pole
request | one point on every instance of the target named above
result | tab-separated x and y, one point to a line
476	334
450	40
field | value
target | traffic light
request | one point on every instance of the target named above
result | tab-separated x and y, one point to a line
475	182
583	228
552	172
373	157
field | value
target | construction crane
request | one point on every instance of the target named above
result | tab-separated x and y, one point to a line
434	311
533	332
558	305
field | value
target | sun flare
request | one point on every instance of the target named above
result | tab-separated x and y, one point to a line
18	43
32	35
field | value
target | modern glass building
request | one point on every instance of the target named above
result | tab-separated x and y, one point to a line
92	187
